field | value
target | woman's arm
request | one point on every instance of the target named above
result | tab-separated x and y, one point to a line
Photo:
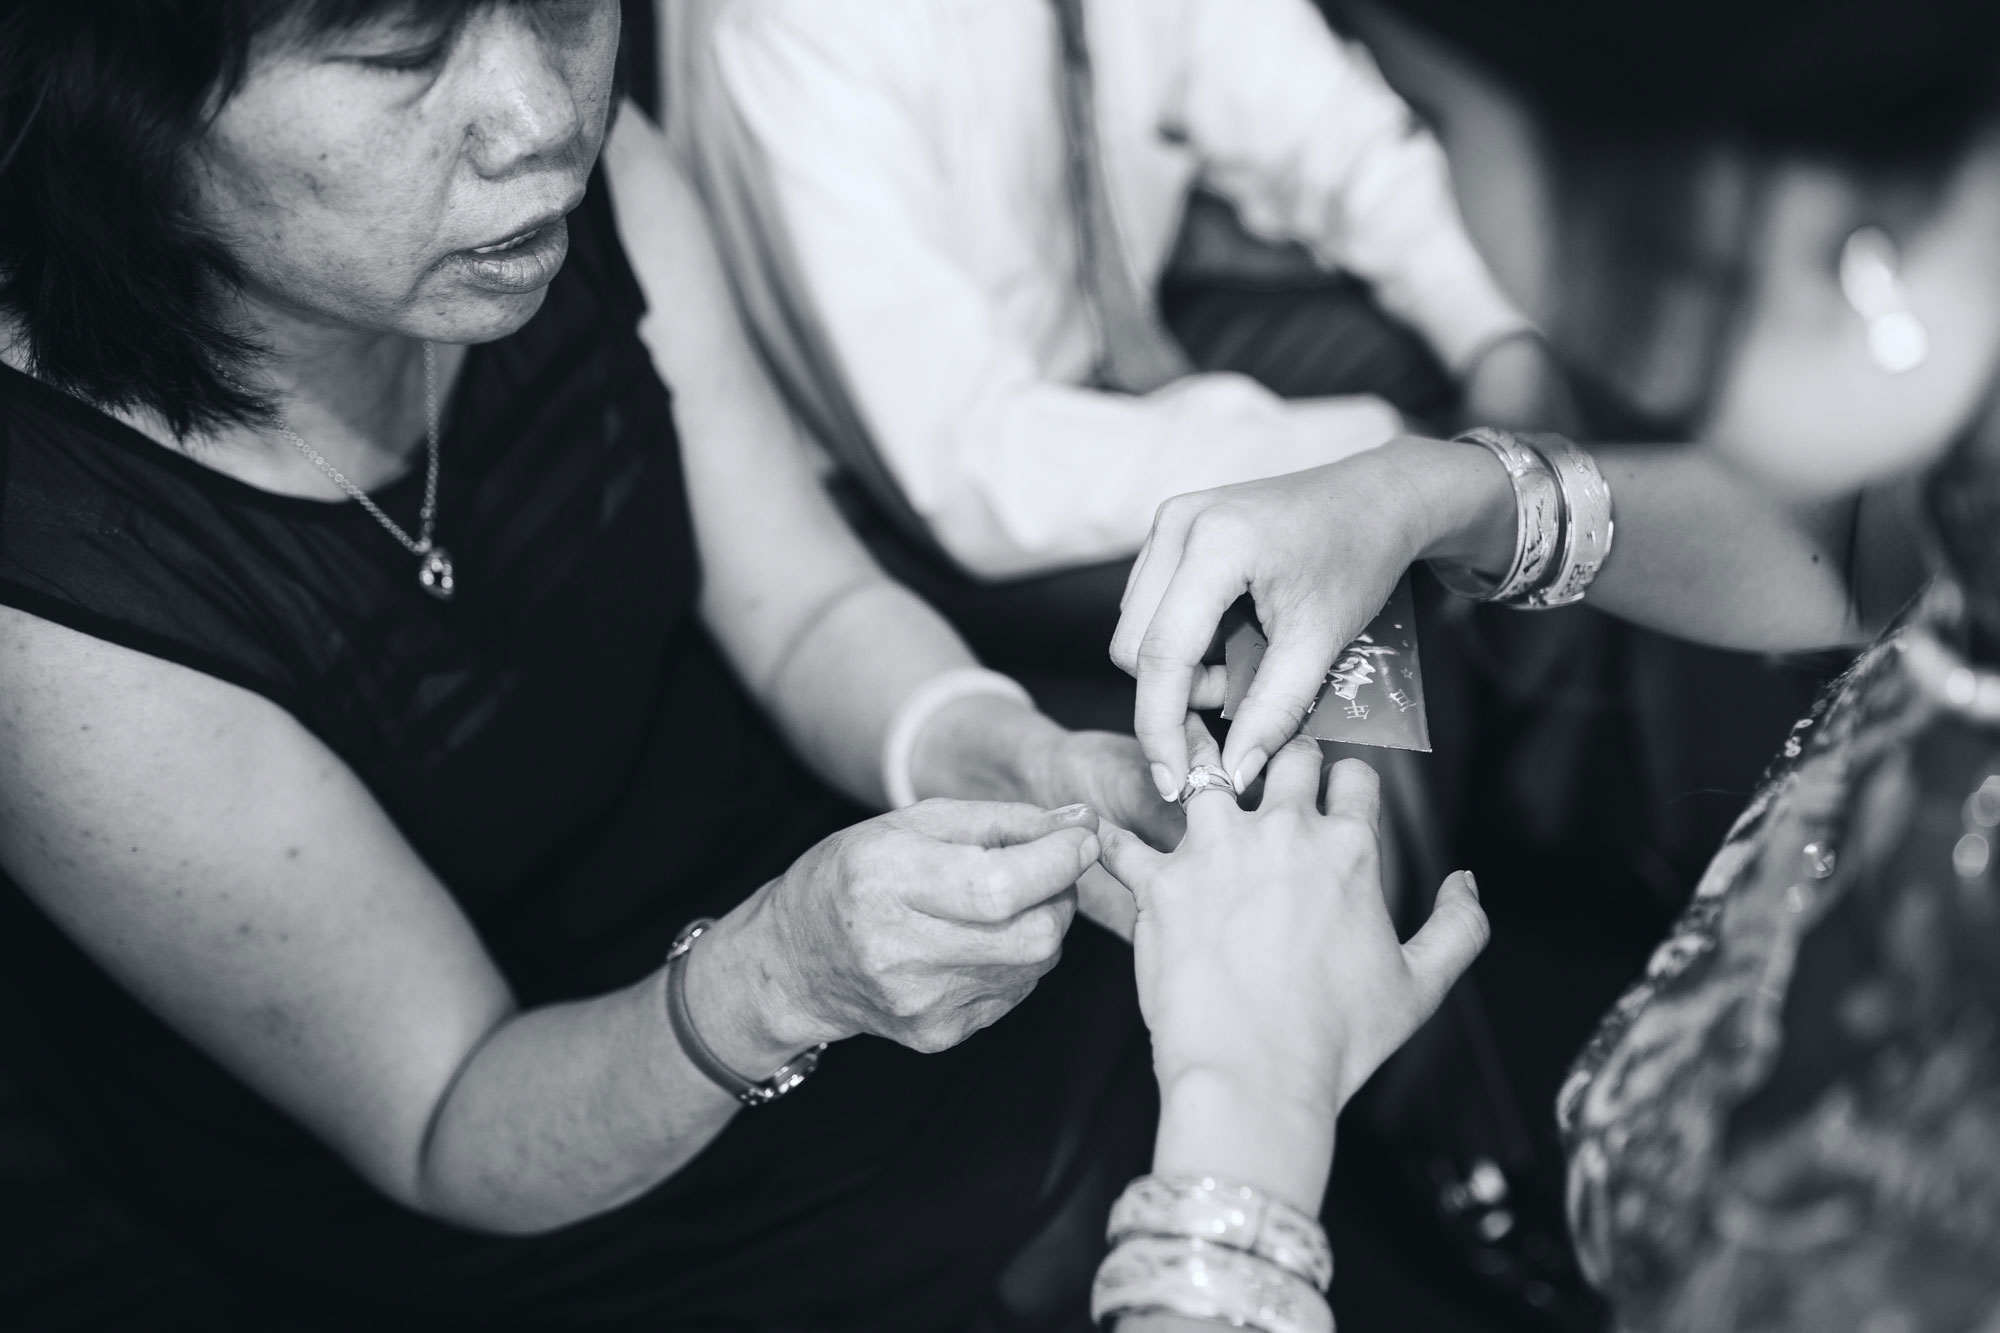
239	880
1270	974
828	642
228	870
1699	553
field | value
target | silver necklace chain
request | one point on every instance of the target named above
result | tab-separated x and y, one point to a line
435	573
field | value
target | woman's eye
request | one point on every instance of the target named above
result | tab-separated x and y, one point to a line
416	61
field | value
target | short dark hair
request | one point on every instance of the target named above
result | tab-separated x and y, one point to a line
112	278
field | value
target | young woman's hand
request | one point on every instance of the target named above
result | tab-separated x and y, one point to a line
1269	971
1318	552
922	925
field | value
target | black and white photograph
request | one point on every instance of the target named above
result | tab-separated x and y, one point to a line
1000	666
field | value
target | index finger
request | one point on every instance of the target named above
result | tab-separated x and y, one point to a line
986	885
990	823
1169	659
1147	583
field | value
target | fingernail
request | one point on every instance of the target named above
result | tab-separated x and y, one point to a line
1247	771
1087	854
1471	884
1164	780
1073	814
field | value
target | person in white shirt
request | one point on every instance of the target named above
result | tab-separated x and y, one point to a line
943	257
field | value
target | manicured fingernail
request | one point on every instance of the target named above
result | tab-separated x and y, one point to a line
1471	884
1247	771
1073	814
1086	855
1165	782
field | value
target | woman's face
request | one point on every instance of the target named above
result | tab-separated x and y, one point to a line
1803	408
412	178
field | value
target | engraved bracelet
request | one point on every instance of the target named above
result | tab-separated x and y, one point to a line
1197	1280
1226	1213
1587	526
1538	521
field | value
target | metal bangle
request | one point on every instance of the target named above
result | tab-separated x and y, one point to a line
1538	522
1197	1280
1224	1212
1587	524
749	1091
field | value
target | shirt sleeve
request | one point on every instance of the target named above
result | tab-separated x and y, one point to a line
1015	472
1299	130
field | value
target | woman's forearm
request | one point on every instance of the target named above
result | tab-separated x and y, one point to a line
1699	552
837	694
569	1110
1215	1125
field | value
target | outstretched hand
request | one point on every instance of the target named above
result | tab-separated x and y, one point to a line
1266	958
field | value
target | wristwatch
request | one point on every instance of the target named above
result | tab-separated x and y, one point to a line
749	1091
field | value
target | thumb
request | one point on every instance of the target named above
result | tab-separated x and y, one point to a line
1131	862
1438	954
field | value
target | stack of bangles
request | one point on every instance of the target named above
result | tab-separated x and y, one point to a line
1215	1251
1562	523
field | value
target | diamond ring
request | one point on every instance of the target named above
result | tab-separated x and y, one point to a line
1201	778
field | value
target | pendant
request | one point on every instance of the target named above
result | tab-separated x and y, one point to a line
435	575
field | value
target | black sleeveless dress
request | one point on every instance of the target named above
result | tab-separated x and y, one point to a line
535	740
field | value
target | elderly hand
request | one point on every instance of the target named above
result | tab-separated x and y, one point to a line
1269	971
922	925
1318	552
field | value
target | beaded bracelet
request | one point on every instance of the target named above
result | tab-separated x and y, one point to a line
1224	1213
1198	1280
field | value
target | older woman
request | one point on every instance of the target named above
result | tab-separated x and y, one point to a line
384	690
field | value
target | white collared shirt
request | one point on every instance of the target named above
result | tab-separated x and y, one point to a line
915	150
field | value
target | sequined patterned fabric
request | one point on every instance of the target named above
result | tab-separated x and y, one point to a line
1793	1121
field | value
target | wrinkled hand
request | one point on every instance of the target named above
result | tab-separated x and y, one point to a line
1264	952
926	924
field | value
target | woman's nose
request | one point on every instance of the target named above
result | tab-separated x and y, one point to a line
524	108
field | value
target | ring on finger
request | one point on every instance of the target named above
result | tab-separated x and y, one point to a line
1205	777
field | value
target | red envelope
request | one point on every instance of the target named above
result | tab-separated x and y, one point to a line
1374	695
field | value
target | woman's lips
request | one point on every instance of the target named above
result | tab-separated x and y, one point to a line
526	263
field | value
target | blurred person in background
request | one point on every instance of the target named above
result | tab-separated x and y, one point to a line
949	224
1792	1120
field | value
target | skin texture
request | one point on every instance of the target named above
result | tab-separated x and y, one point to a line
351	176
234	875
